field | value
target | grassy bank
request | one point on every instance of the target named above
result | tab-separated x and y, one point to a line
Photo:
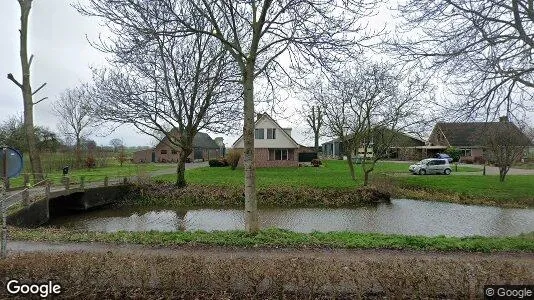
195	195
284	238
516	191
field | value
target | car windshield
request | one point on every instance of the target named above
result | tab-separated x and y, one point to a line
424	161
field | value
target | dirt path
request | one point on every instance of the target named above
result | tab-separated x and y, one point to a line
265	253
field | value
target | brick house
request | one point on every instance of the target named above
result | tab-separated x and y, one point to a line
273	145
403	147
469	137
204	148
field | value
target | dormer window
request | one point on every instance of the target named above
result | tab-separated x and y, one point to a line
259	133
271	133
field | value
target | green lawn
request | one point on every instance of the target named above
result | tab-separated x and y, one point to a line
114	171
515	187
476	189
282	238
333	173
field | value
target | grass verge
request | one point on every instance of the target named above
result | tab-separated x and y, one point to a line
516	191
283	238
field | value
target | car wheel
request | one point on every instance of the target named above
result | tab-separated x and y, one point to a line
447	172
422	172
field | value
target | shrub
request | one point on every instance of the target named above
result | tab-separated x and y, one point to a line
480	160
454	153
466	160
90	162
316	162
233	157
216	163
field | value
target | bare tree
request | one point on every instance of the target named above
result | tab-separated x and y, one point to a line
483	46
506	144
257	34
74	115
27	93
166	86
367	108
116	144
315	121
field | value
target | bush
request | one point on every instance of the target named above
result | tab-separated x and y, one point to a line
454	153
480	160
233	157
90	162
316	162
466	160
217	163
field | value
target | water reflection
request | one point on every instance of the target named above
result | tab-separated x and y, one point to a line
401	216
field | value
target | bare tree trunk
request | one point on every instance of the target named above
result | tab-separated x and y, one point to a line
366	177
316	139
349	151
180	170
502	173
29	129
78	152
251	205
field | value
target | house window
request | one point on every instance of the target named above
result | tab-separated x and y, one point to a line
259	133
466	152
278	154
271	133
163	151
174	151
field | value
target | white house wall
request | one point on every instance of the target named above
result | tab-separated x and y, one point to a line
281	140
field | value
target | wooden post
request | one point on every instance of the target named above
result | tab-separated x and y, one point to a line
3	208
82	182
47	189
106	181
26	197
26	180
4	171
484	170
67	183
125	180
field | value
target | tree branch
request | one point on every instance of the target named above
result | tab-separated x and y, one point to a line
10	77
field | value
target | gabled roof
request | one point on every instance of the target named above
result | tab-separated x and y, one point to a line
474	133
258	119
201	140
396	141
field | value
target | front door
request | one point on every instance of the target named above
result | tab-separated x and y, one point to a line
153	156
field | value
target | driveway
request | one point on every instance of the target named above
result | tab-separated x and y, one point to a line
491	170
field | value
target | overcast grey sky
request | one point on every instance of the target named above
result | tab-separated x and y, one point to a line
57	38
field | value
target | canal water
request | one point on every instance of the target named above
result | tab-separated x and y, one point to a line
401	216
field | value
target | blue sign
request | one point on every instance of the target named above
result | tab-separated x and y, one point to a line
14	162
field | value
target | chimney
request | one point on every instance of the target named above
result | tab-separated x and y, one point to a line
287	130
503	119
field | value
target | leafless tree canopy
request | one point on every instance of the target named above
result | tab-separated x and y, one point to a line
74	115
485	46
256	34
366	105
165	85
506	144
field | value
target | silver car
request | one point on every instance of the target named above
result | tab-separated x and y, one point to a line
431	166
